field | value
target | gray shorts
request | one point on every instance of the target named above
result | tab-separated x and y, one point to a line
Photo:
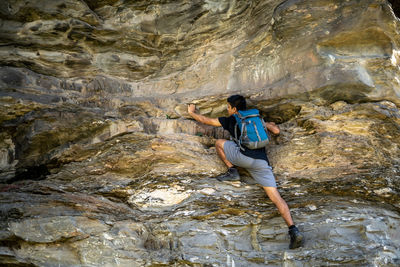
258	168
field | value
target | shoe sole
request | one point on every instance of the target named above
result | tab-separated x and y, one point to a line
223	179
299	242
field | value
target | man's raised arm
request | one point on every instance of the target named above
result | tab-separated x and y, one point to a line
201	118
272	127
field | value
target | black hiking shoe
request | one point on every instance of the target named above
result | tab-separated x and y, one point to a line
231	175
296	238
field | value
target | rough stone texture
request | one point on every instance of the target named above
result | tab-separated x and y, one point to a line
100	165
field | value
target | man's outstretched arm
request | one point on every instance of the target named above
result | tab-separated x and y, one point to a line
201	118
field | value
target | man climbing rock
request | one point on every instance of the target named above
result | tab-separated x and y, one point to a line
235	153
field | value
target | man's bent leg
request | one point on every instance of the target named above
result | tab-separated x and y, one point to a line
232	174
219	146
280	203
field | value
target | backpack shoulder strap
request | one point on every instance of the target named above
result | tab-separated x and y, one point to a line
239	125
238	122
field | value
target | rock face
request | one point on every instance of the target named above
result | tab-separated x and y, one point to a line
100	164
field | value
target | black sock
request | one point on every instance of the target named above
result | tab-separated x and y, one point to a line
292	226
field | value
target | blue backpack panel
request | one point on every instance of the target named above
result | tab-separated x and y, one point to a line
252	132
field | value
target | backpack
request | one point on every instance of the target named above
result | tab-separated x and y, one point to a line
253	135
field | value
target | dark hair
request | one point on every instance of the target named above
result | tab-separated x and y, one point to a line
237	101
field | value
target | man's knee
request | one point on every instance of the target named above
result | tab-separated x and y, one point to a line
273	194
220	143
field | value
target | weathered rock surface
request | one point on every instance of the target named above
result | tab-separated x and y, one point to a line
100	165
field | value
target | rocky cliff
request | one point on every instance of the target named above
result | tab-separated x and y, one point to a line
100	164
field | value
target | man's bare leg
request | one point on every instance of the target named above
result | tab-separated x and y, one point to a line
280	203
219	146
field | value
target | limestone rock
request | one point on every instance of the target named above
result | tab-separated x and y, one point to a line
101	165
119	52
48	230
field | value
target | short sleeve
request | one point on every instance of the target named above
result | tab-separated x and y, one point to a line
224	122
